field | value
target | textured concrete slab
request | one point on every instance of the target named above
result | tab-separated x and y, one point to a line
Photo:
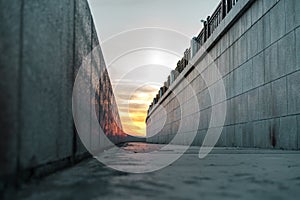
268	4
279	93
297	13
297	31
265	101
83	46
247	138
247	81
293	82
261	134
224	174
275	69
258	70
253	105
46	55
266	29
227	83
260	35
287	54
253	41
239	52
42	47
298	130
10	55
230	114
242	49
277	18
238	134
230	136
289	6
263	59
288	133
241	108
267	64
238	81
257	11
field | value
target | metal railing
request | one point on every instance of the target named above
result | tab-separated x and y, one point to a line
213	21
210	25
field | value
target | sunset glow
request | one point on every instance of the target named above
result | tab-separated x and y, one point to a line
133	109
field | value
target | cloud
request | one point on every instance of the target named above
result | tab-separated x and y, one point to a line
133	106
133	119
133	110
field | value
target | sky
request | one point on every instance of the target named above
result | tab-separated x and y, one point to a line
142	41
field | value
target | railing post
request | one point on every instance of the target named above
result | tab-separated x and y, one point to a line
208	27
194	47
223	9
229	5
205	31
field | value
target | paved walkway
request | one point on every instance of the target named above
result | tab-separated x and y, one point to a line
224	174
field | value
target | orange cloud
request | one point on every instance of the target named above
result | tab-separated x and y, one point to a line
133	109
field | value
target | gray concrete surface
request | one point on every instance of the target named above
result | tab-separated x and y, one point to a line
227	173
42	47
257	55
10	19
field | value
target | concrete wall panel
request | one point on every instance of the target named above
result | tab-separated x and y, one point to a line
297	31
41	78
293	88
287	53
266	29
257	10
279	93
268	4
10	56
253	105
297	13
42	47
289	6
262	77
83	46
277	20
288	133
258	70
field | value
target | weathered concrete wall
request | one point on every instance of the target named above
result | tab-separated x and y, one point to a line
42	47
257	51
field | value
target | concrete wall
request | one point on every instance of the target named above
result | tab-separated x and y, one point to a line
42	47
257	51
